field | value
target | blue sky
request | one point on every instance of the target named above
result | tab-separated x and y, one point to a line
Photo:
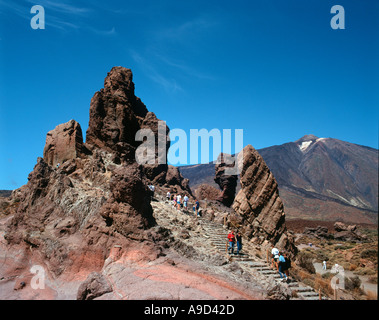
275	69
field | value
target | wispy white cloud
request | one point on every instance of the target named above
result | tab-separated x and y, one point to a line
62	15
184	67
169	84
188	29
61	6
110	32
170	69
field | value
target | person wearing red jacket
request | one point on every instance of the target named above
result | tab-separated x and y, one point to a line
231	238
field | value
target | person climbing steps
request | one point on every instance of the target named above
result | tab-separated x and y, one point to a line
231	239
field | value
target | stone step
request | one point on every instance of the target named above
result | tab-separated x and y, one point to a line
218	238
304	290
312	298
217	234
268	272
257	264
309	294
241	259
219	245
293	284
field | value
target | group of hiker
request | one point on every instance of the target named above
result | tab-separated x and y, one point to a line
234	240
182	202
281	262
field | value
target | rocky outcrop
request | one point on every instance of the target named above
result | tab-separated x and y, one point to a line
116	115
207	192
63	143
227	183
318	232
258	207
347	232
99	195
128	208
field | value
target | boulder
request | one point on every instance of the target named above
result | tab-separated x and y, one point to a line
93	287
207	192
128	209
318	232
347	232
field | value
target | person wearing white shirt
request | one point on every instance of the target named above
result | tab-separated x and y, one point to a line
185	201
178	201
274	258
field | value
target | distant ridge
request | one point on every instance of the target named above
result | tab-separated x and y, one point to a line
5	193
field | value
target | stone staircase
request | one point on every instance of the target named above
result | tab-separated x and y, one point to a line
216	236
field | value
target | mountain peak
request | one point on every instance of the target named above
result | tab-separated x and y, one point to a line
307	137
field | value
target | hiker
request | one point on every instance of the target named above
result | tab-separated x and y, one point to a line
174	200
281	267
239	242
168	196
58	164
324	265
274	258
185	202
178	201
231	239
287	264
152	189
196	207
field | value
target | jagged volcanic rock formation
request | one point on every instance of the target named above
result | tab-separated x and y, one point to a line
258	206
98	197
116	115
227	183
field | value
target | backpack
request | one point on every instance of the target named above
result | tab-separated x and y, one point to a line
288	263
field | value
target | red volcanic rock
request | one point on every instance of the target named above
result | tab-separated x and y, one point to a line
128	210
63	143
116	115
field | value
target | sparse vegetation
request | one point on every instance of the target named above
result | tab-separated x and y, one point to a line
359	258
353	283
305	261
